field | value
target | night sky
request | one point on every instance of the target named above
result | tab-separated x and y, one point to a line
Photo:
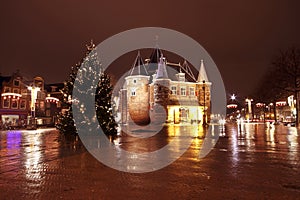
47	38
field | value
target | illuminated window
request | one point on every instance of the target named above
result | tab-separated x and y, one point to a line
174	90
133	92
192	91
182	91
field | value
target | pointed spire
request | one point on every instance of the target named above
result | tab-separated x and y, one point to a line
202	76
153	60
161	70
138	67
155	55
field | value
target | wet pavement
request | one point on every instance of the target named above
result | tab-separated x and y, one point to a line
250	161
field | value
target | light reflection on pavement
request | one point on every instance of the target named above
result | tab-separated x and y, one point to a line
250	161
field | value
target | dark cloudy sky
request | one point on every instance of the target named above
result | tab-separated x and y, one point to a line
47	38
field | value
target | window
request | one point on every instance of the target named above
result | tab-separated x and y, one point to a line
16	90
6	89
42	105
6	103
23	104
192	91
182	91
16	83
14	103
24	91
43	95
133	92
48	113
53	88
174	90
37	104
134	80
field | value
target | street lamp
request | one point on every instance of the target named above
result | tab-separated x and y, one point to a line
32	121
233	97
249	107
204	114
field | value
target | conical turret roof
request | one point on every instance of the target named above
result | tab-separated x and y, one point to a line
155	55
162	70
154	60
202	76
138	67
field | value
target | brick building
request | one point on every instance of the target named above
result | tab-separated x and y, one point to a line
16	105
154	91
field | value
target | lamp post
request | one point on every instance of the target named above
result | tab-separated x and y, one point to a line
233	97
32	121
204	114
249	108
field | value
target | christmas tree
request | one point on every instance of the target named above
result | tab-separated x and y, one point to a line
104	106
65	122
86	71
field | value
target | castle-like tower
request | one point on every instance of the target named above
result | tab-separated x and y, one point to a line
164	96
137	89
203	88
161	91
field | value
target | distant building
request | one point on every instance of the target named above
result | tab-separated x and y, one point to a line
154	91
53	103
14	107
16	104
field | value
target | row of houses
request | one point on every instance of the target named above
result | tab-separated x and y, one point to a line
22	99
282	111
157	89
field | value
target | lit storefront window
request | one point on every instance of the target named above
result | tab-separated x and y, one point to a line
183	91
